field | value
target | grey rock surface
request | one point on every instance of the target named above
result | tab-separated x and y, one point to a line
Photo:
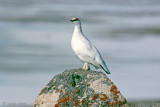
80	88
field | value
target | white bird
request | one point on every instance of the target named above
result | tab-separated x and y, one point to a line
85	50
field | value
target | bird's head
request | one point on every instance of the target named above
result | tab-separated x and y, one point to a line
76	21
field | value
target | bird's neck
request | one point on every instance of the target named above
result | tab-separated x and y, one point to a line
78	28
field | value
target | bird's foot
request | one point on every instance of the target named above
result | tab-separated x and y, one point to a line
86	66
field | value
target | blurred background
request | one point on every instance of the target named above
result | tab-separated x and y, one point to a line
35	40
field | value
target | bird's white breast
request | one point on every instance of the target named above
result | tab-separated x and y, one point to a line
79	44
83	48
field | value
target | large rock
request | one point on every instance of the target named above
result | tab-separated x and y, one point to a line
80	88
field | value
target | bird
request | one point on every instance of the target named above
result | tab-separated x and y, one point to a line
85	50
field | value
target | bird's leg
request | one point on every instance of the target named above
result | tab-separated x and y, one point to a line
86	66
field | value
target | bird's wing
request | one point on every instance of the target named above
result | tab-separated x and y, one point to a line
101	62
85	51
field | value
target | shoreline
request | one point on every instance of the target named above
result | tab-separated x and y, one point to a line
134	103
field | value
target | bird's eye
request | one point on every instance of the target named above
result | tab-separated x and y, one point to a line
75	19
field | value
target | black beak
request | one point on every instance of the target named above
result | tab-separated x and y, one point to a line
71	20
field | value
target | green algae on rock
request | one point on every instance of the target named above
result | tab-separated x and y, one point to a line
80	88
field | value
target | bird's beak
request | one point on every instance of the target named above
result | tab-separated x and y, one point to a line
71	20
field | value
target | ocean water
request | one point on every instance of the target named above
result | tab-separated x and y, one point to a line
35	44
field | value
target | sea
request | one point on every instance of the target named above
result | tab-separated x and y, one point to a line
35	46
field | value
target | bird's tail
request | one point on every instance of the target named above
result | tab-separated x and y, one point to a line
105	69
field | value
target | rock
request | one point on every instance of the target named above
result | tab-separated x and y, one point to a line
80	88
